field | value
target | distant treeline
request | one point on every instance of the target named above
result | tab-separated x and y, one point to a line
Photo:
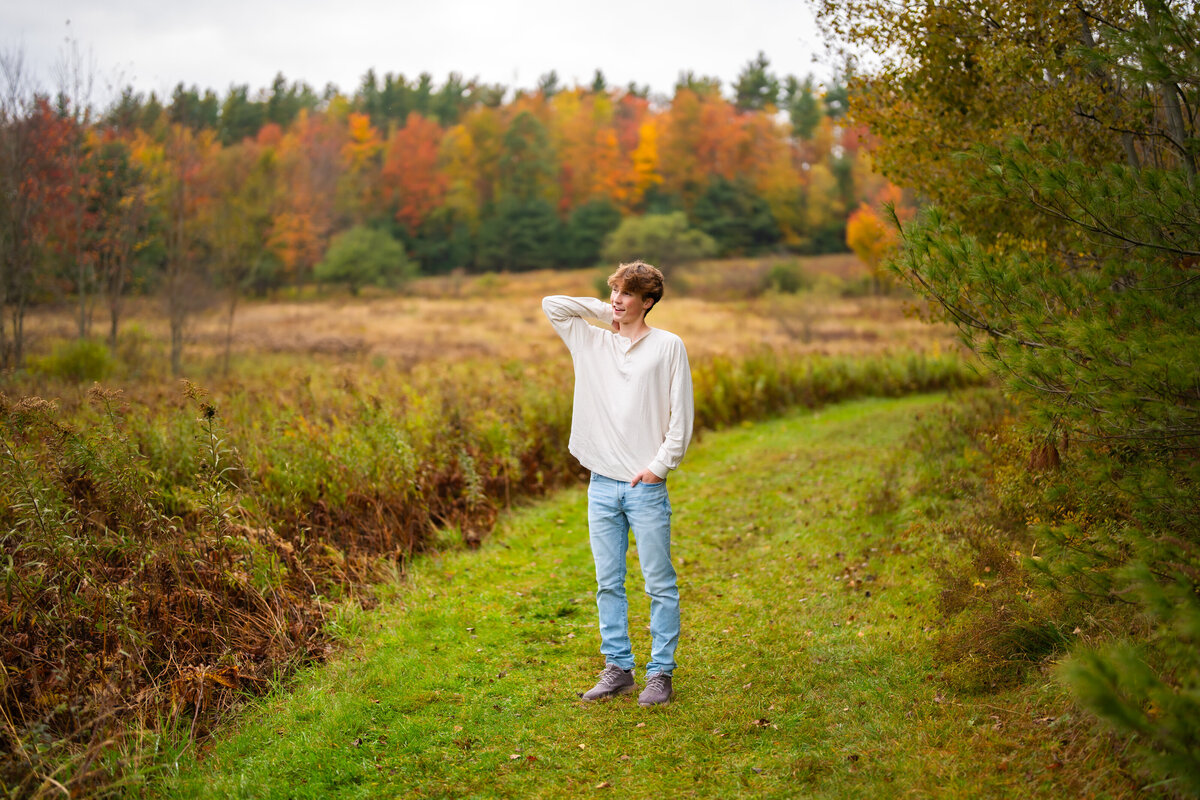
246	192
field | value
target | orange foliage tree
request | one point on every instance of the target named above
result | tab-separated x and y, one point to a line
873	240
411	180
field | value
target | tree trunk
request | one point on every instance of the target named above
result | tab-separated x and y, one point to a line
81	290
1169	92
233	300
1110	85
3	309
18	325
176	345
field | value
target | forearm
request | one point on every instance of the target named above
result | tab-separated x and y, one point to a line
561	309
568	315
670	454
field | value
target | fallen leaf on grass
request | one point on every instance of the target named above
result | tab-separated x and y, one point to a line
641	725
623	758
582	746
514	756
603	785
357	742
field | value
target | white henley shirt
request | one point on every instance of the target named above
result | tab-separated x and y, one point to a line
633	405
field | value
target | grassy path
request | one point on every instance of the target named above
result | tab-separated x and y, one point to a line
804	667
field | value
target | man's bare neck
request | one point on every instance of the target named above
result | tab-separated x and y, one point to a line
633	331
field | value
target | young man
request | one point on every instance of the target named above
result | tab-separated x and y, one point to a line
631	425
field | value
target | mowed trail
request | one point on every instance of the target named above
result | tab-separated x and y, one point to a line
805	665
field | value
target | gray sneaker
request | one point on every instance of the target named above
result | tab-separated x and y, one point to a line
657	692
613	681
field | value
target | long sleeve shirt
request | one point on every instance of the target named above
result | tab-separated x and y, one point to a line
633	404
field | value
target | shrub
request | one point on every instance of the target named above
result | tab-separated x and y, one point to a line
664	240
788	277
78	360
365	257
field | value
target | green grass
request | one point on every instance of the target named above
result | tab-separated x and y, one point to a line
804	665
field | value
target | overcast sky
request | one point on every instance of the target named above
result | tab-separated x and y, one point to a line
155	44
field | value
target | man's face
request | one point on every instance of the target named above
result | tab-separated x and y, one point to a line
628	307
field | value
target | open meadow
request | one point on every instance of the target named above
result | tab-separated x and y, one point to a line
175	544
719	308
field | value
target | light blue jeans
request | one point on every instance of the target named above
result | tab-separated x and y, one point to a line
614	507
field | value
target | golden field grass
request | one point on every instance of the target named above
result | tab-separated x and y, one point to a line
715	306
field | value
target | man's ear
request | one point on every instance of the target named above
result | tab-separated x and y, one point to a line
647	303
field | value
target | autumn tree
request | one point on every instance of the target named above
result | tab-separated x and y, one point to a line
310	158
485	130
117	202
411	181
447	239
32	138
824	209
75	76
644	172
183	197
873	240
237	222
523	229
1059	143
358	188
527	168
